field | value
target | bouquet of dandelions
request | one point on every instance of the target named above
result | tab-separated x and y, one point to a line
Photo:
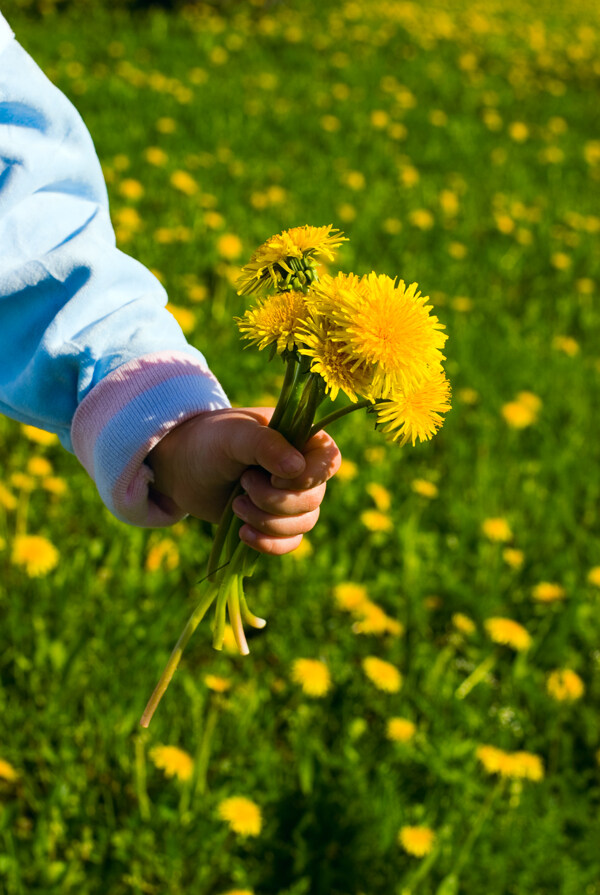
370	337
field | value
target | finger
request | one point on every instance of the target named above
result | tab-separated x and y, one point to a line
265	544
269	524
251	443
323	459
277	501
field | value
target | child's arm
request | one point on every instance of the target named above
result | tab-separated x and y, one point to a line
88	349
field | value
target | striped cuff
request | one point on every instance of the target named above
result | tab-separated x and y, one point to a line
125	415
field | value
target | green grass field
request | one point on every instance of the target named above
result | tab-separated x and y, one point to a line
457	146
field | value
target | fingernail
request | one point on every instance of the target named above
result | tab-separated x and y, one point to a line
292	464
249	535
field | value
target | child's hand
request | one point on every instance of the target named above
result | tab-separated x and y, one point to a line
198	463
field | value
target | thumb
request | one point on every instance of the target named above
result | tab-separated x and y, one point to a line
254	444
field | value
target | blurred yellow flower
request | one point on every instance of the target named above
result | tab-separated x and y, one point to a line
166	125
514	765
184	317
566	344
383	674
565	685
518	131
518	415
374	620
380	495
508	632
594	576
304	549
164	554
417	841
560	260
468	395
55	485
350	596
22	481
35	554
347	471
463	623
376	521
7	772
312	675
239	892
242	814
421	218
512	557
40	436
155	156
401	730
39	466
424	488
497	529
216	683
229	246
355	180
7	499
173	761
548	592
184	182
131	189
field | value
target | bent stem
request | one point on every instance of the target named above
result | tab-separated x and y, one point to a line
338	414
476	676
175	657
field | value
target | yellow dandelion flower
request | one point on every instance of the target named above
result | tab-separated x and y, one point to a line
275	320
468	395
272	262
518	131
350	596
128	218
216	683
422	218
22	481
492	759
164	554
566	344
184	182
239	892
497	529
131	189
229	246
35	554
417	841
39	436
508	632
7	499
424	488
374	520
155	156
347	471
39	466
463	623
242	814
560	260
401	730
416	413
338	371
380	495
312	675
387	324
565	685
548	592
518	415
7	772
383	674
355	180
593	575
524	766
374	620
304	549
513	558
166	125
173	761
2	543
184	317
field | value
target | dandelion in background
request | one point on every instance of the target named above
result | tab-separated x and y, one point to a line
565	685
39	436
416	841
508	632
593	576
513	558
7	772
463	623
216	683
497	529
242	814
350	596
164	554
513	765
380	495
548	592
173	761
35	554
7	498
383	674
400	730
39	466
312	675
376	521
424	488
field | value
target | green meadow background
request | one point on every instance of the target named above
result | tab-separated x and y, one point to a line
457	145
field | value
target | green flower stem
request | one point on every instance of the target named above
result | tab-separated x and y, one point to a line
222	532
235	617
171	666
204	749
338	414
289	379
310	399
476	676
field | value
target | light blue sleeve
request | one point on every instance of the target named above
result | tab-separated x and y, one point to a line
73	308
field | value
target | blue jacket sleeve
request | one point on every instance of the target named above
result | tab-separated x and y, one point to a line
78	317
